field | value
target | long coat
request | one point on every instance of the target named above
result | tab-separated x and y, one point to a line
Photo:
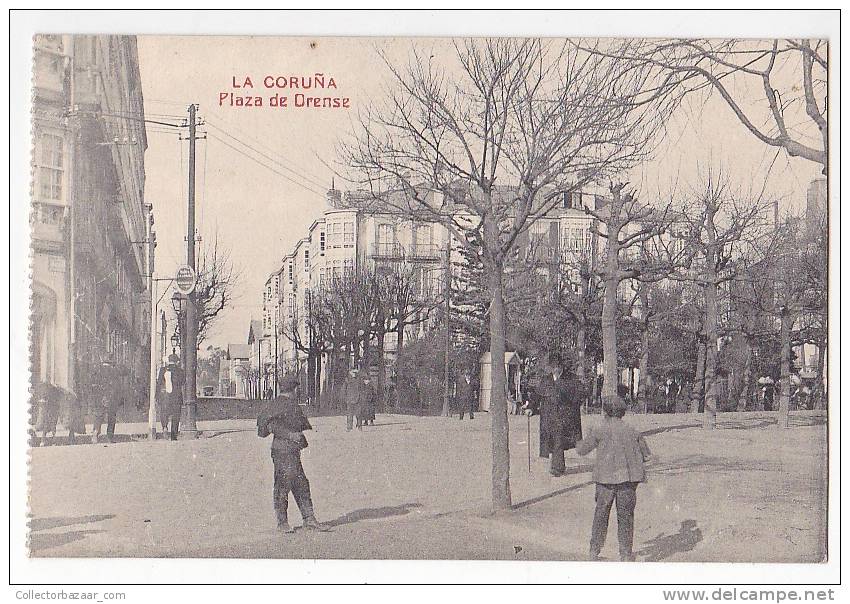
367	398
560	414
170	403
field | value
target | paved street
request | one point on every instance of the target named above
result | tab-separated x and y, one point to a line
418	487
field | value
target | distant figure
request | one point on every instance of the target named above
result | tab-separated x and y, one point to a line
46	398
351	395
620	456
107	400
465	395
367	400
560	414
283	418
170	384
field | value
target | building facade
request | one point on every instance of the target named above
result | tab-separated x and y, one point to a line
90	224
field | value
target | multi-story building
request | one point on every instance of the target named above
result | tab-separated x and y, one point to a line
89	220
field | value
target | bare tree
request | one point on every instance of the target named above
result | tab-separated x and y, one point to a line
218	282
718	222
788	291
629	227
791	76
544	117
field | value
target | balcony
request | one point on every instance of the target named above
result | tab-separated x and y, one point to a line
424	252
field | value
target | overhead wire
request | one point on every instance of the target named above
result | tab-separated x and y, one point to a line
265	165
301	174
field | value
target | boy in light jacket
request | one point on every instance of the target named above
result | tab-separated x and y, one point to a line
620	455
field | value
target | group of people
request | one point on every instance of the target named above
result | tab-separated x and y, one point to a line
108	389
621	452
360	400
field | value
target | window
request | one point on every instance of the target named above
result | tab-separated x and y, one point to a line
335	234
51	168
348	266
386	238
322	243
348	234
289	270
306	260
422	237
321	276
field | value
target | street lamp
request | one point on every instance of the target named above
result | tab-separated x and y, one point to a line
175	340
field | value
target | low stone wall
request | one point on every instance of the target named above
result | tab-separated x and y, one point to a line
212	408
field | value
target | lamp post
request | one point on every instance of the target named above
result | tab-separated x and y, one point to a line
177	305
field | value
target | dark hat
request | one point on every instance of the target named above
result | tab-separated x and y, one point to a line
614	405
288	384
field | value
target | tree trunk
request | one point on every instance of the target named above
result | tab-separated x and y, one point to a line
746	388
501	485
785	323
643	368
381	372
609	336
581	370
317	381
699	378
399	382
820	390
709	420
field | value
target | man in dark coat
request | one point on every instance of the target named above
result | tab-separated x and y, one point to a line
351	394
466	395
170	384
368	400
284	418
107	400
560	414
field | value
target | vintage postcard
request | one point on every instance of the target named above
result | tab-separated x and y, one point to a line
507	298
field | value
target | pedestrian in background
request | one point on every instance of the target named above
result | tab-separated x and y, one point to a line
351	395
465	395
367	400
108	399
560	413
620	456
284	418
170	384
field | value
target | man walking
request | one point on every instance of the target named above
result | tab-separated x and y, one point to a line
170	387
284	419
351	392
107	401
465	395
367	400
560	414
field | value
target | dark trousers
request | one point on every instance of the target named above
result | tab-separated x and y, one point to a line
174	418
289	477
350	413
107	416
471	410
625	496
557	462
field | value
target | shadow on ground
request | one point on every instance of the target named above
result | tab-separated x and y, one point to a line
40	541
663	546
373	514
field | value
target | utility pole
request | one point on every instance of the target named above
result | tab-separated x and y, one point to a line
276	311
191	336
154	318
447	295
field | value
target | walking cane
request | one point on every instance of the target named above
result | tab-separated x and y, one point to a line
528	440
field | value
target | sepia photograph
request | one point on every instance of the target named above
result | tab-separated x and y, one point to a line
478	298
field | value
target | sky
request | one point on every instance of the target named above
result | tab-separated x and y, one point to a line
258	212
